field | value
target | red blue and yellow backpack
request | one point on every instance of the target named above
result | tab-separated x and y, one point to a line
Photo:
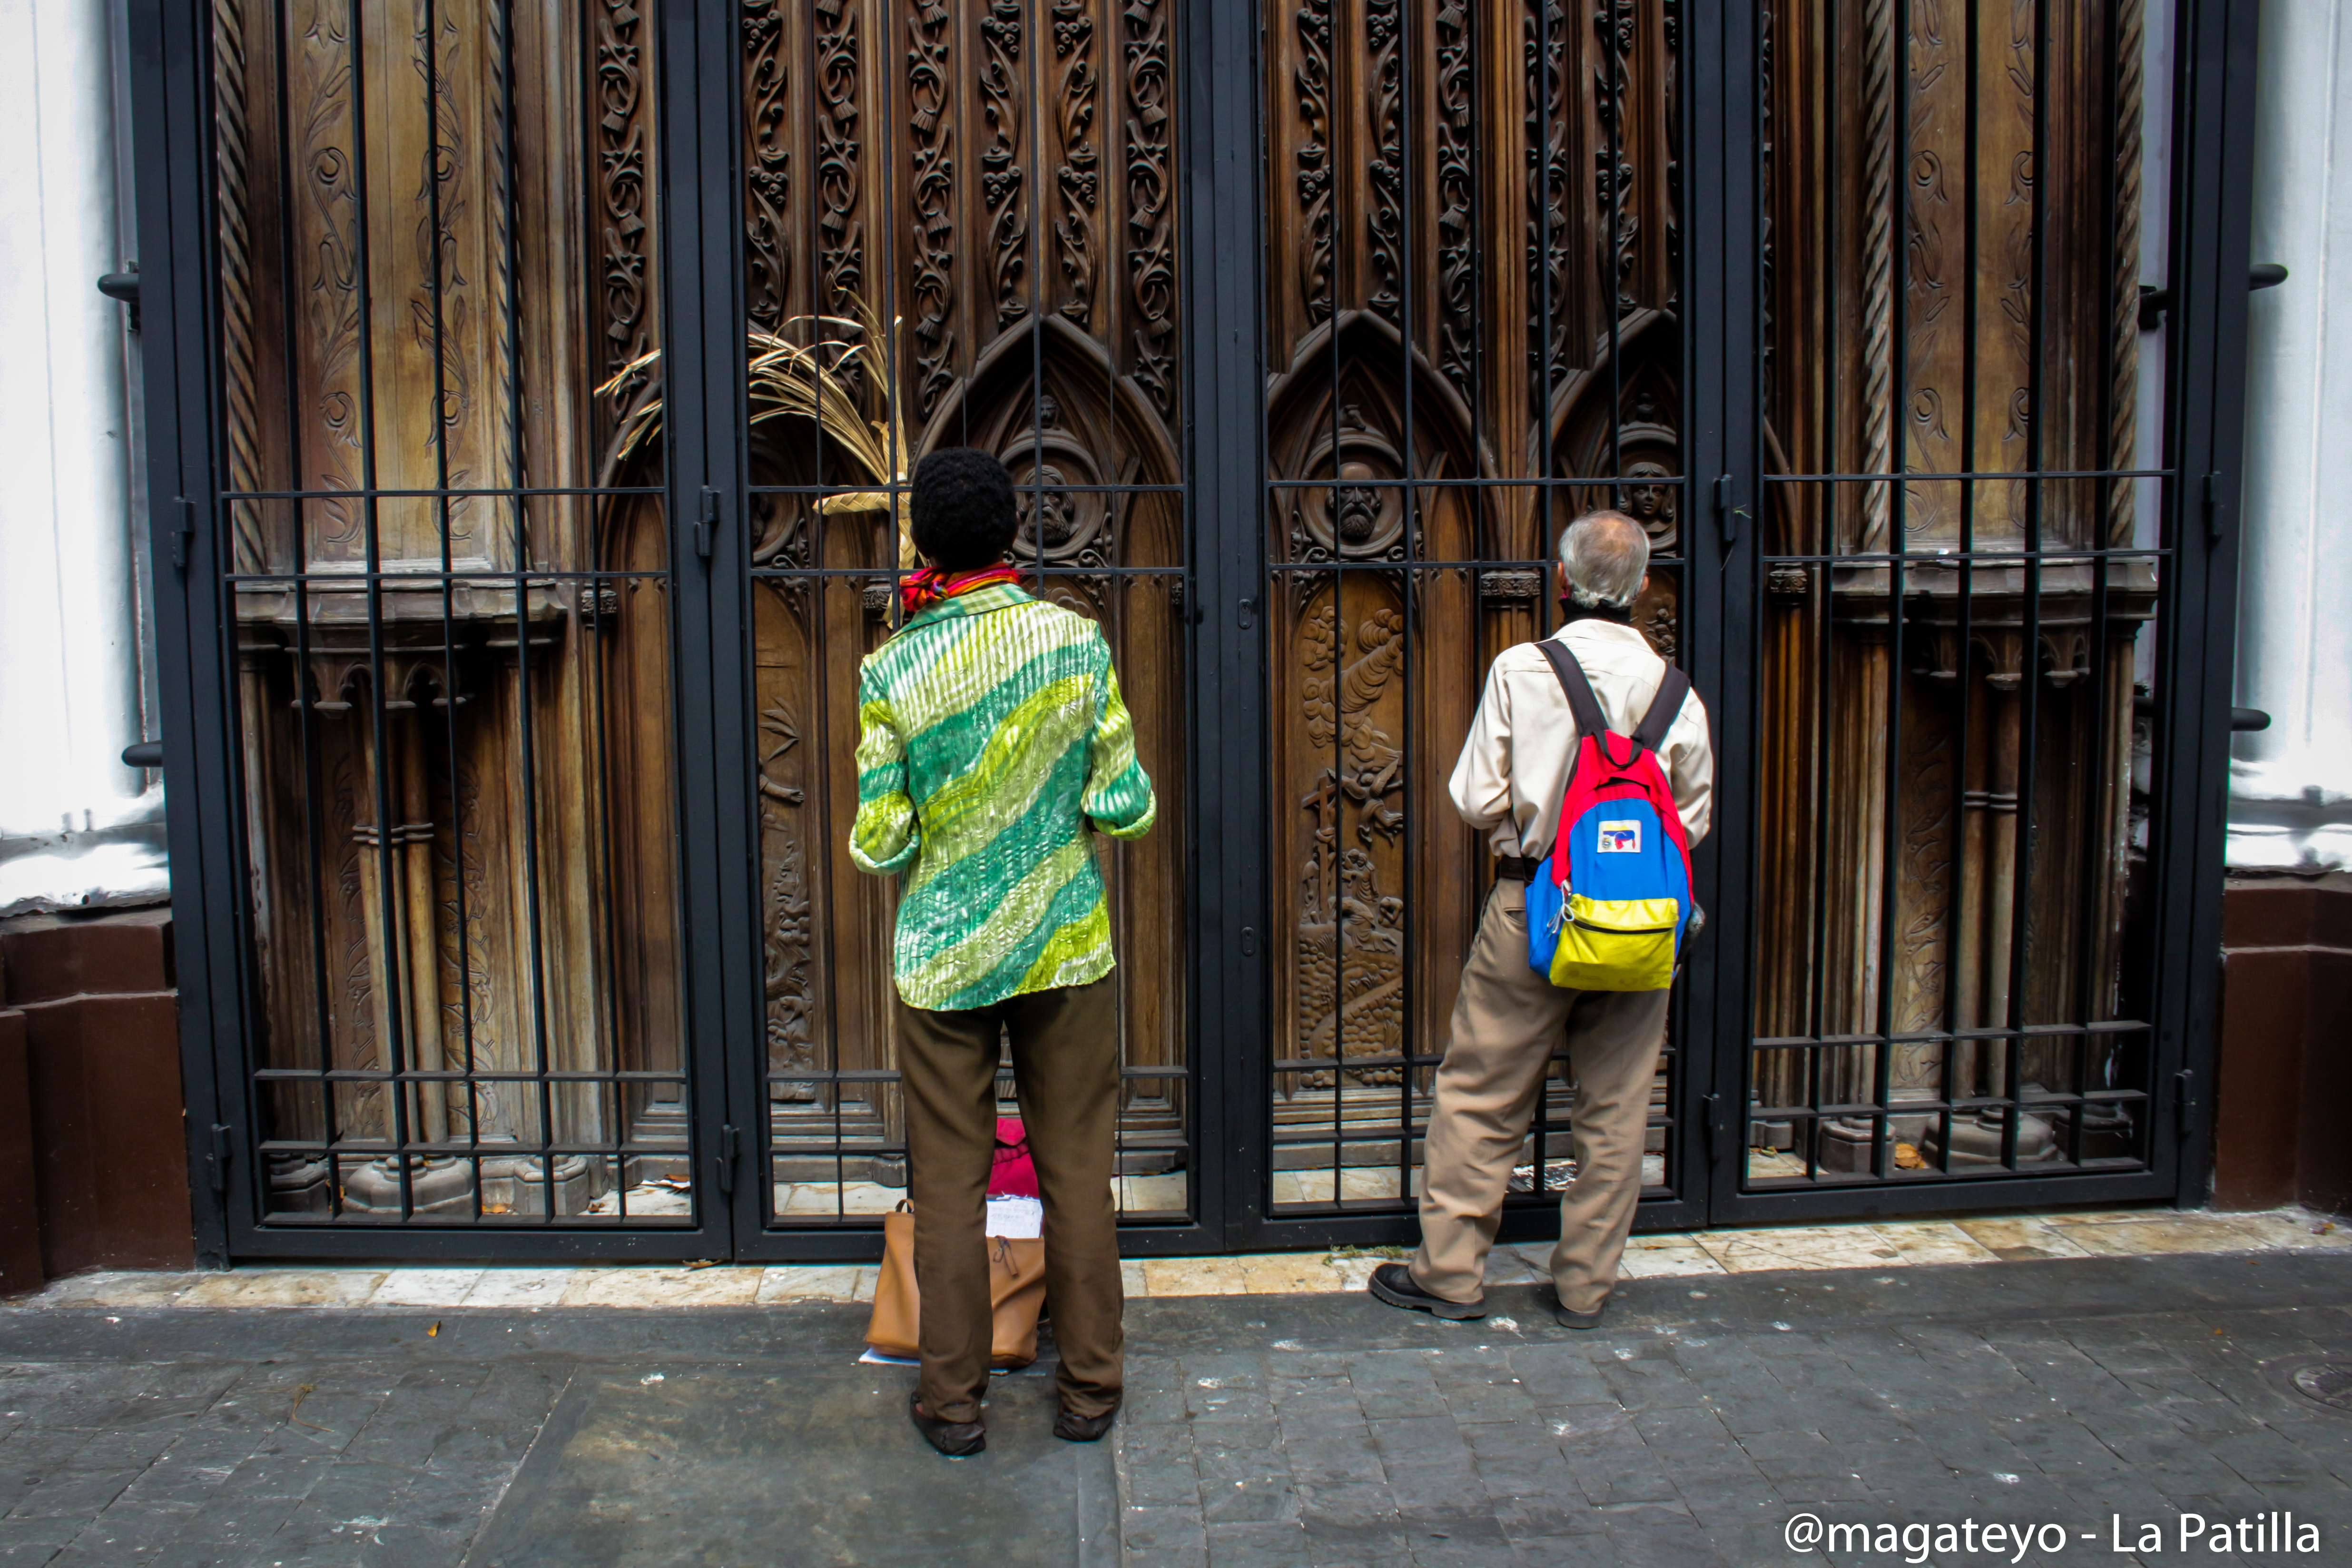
1611	905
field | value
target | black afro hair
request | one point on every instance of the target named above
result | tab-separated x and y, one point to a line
963	515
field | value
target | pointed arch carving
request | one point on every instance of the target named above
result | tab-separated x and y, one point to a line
1373	694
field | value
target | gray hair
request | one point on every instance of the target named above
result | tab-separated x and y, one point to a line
1605	553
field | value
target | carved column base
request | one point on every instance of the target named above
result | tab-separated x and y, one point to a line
435	1186
298	1184
1847	1142
1976	1141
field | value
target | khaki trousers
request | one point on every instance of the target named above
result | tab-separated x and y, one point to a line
1506	1023
1065	1068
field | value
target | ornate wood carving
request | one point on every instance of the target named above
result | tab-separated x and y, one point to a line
1384	216
840	152
622	137
1311	78
1002	172
1457	283
931	160
1151	247
768	164
1079	179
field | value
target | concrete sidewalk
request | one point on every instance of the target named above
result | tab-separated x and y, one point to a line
1265	1428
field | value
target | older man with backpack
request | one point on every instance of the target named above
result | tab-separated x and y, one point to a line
1590	769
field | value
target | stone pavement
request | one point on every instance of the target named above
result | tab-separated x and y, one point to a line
1697	1422
1266	1428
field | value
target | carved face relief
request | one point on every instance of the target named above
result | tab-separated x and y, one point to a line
1651	505
1358	517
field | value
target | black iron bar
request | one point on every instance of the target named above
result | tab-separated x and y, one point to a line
1956	934
510	324
397	954
423	577
1898	541
1829	529
314	883
1617	92
431	492
433	285
600	629
1460	482
1407	288
1915	479
2030	653
2091	992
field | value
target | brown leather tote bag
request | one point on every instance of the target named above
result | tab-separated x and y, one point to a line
1016	1294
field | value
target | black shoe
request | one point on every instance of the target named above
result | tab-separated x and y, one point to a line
1394	1283
1072	1428
1569	1319
955	1439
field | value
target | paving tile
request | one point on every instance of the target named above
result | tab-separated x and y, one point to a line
1194	1277
664	1288
113	1289
283	1288
1933	1241
2295	1229
1665	1257
424	1287
814	1282
1287	1273
520	1287
1799	1247
2021	1239
2142	1237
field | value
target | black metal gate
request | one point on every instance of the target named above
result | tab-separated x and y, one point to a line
516	726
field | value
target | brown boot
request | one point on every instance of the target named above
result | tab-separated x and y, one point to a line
955	1439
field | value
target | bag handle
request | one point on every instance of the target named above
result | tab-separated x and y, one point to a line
1663	708
1584	706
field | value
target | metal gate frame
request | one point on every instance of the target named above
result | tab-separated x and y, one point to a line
1221	236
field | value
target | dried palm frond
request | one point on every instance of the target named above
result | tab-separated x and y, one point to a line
817	382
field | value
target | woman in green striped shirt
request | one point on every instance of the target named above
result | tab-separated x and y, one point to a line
992	743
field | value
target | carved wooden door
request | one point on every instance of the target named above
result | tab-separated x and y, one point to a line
550	599
1473	334
562	365
958	228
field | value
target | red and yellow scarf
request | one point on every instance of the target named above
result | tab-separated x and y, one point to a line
924	588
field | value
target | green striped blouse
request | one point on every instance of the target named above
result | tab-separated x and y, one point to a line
991	733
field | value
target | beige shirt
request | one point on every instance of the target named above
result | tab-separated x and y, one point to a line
1514	766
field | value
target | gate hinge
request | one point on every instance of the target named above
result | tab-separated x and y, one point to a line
183	531
2216	506
216	1161
1711	1108
706	525
729	1151
1726	516
2184	1101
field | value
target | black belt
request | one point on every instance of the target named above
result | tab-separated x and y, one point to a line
1517	867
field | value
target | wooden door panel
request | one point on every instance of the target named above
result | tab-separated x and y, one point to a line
1472	313
959	231
450	592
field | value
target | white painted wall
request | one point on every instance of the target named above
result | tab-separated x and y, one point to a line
76	825
2291	787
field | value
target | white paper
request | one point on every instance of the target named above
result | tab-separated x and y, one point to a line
1016	1219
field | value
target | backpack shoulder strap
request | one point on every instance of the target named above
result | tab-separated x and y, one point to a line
1581	704
1663	708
